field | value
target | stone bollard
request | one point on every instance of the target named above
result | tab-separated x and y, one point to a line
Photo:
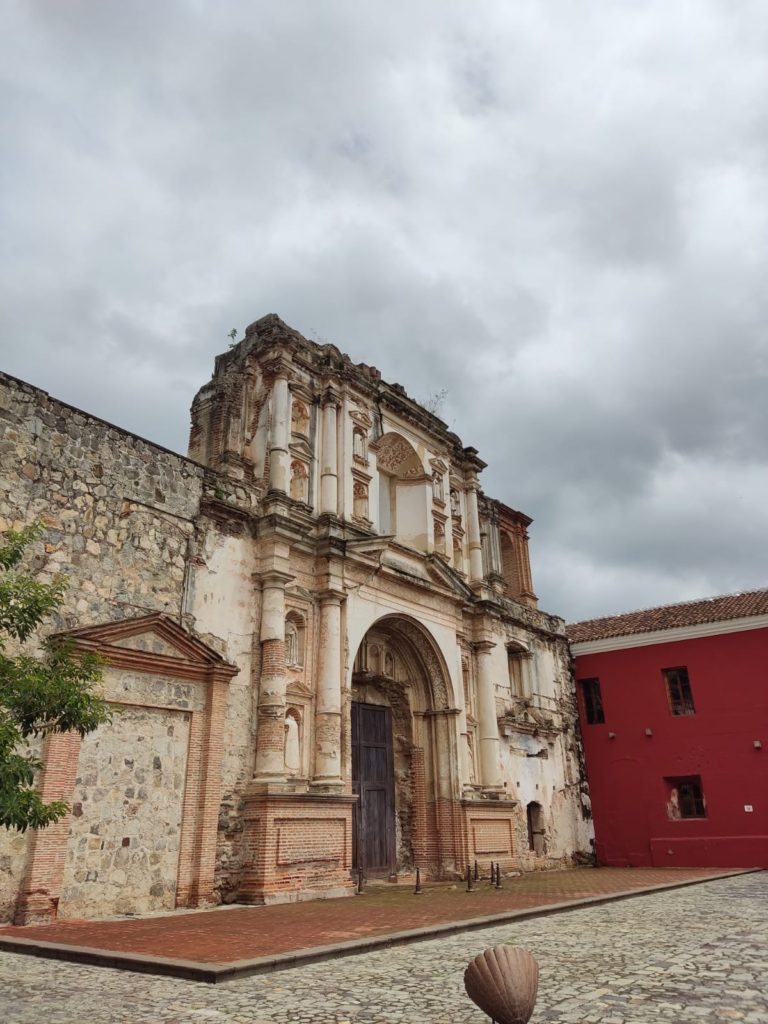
503	982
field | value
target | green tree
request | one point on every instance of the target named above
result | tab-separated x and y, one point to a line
51	692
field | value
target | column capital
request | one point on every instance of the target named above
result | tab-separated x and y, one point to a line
483	646
330	396
278	367
273	578
331	596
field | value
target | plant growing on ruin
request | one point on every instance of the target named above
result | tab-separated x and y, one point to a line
39	694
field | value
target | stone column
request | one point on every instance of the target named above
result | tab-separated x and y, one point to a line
279	433
475	544
490	773
526	582
270	736
329	485
328	706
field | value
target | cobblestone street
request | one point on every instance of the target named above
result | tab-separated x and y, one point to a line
697	955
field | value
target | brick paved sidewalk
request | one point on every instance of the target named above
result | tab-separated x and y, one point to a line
224	935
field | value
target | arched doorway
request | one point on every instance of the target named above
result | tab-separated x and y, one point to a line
404	753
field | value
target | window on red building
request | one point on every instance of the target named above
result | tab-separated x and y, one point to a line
593	701
679	691
686	797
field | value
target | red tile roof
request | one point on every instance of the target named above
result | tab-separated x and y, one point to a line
671	616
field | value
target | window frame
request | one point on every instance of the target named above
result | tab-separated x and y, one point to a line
681	704
594	709
691	805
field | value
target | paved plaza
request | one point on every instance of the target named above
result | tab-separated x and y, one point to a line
248	934
696	955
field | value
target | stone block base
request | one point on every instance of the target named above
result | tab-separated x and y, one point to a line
490	828
298	846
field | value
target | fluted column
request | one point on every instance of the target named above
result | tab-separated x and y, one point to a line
270	735
279	432
475	544
329	485
328	706
490	772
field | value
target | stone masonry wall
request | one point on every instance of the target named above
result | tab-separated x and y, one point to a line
118	509
124	525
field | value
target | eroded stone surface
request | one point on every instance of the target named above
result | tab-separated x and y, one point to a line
693	956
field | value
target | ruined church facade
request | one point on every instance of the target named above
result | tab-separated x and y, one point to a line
323	648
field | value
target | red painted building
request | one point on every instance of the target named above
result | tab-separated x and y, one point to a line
673	704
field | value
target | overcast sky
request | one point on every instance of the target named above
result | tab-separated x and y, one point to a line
557	211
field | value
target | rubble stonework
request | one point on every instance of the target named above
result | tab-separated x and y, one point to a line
324	647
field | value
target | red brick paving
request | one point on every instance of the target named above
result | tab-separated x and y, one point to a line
240	933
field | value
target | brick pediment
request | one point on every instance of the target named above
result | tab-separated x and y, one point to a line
152	643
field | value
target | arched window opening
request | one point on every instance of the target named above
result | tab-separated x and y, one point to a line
402	491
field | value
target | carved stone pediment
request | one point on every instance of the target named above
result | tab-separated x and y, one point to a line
361	418
440	570
152	643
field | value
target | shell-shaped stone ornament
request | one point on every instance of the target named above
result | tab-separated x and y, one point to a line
503	982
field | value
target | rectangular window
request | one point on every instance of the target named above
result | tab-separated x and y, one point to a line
679	691
686	797
593	701
516	678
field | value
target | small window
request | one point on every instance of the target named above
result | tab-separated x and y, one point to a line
593	701
679	691
686	797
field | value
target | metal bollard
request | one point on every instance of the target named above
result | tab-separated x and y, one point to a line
470	886
477	872
498	875
417	890
360	883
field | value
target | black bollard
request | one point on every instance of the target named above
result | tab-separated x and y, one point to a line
498	876
470	887
360	882
493	873
417	890
477	872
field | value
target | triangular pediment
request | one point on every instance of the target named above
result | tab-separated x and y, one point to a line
152	643
447	575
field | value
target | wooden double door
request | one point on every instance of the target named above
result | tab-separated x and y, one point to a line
373	782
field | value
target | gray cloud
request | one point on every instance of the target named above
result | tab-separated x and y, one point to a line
559	213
